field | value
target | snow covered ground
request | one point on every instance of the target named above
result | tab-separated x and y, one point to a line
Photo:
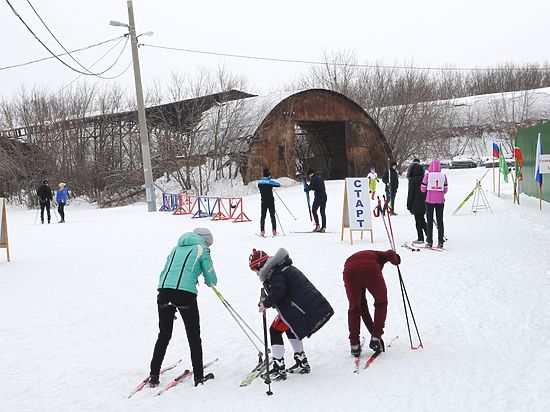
79	316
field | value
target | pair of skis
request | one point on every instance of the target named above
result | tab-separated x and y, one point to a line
255	373
416	248
178	379
357	361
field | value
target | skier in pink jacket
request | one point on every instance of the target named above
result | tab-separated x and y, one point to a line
435	186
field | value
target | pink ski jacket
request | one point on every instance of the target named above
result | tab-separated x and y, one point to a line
433	196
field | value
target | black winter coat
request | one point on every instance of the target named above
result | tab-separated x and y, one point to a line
44	193
301	306
317	184
416	200
394	179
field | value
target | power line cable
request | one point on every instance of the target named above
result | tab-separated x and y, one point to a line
58	42
46	47
98	60
62	54
314	62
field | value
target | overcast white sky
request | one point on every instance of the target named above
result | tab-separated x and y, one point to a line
428	32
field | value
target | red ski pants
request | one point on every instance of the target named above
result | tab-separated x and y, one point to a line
356	282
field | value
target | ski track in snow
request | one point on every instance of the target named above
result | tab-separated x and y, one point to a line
79	315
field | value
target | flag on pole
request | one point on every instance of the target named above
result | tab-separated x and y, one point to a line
538	174
496	151
502	165
519	162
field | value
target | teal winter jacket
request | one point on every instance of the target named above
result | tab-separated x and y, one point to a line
185	263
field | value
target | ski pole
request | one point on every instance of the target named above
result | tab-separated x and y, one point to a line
232	312
404	294
281	226
405	307
307	198
267	380
284	204
392	241
410	308
384	220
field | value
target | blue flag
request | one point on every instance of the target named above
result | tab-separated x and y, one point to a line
538	174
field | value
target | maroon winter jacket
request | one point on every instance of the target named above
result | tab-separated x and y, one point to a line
371	260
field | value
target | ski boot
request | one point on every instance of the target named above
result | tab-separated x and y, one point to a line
301	365
356	350
206	377
278	372
153	380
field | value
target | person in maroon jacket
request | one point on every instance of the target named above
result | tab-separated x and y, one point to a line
363	271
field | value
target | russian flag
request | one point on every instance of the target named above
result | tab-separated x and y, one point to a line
538	174
496	152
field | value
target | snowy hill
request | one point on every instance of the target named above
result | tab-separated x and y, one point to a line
79	316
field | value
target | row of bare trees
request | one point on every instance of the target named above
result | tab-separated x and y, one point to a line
88	135
415	108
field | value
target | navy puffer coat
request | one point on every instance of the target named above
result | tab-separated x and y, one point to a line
302	307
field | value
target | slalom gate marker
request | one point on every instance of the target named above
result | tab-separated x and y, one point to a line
218	208
170	202
186	204
237	213
205	206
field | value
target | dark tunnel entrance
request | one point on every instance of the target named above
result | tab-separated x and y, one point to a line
322	147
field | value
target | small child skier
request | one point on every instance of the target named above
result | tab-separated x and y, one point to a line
373	179
302	309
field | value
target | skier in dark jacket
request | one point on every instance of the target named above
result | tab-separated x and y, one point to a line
317	184
266	185
416	200
391	180
303	310
45	196
363	271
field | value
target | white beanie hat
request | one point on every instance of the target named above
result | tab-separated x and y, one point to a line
205	234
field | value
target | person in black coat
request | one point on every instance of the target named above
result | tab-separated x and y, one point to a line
45	196
391	180
303	310
266	185
416	200
317	184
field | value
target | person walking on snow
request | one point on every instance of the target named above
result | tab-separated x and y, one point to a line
266	185
391	180
177	290
317	184
416	201
45	196
363	271
303	310
434	184
61	198
373	179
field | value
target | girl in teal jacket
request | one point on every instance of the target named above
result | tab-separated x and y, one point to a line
177	289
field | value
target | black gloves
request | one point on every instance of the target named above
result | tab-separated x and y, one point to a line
377	344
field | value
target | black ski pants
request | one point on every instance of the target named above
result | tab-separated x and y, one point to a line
186	303
421	227
320	203
277	336
45	205
61	210
268	205
430	207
